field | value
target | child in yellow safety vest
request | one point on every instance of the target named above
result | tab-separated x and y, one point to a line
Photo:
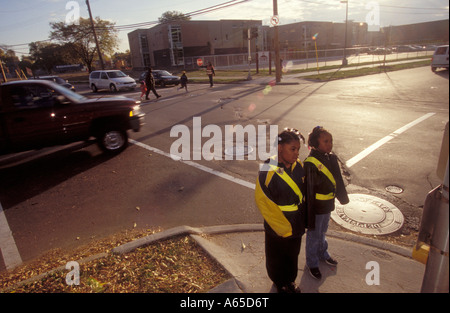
324	183
210	72
279	195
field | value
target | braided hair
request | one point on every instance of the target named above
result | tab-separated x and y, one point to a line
290	134
313	139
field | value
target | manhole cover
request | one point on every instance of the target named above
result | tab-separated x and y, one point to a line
394	189
239	150
367	214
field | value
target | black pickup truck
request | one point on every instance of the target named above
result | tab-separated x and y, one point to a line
35	114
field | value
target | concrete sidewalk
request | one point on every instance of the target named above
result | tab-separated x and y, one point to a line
294	79
362	262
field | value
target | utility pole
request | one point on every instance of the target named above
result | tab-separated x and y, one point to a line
95	36
249	77
277	45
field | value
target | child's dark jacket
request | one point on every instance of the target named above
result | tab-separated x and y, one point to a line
318	183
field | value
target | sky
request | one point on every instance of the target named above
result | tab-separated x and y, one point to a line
25	21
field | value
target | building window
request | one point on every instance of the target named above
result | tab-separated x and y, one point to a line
145	51
176	45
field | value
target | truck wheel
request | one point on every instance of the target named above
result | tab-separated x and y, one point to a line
94	88
113	88
113	140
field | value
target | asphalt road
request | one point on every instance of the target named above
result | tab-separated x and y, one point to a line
68	196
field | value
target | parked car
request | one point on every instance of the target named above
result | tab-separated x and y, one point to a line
440	58
380	51
57	80
114	80
162	78
37	113
406	49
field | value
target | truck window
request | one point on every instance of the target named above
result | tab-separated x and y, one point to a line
31	96
441	50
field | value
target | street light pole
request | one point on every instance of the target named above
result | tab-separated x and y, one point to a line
277	45
249	77
344	60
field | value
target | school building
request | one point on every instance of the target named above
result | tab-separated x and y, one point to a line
178	44
168	45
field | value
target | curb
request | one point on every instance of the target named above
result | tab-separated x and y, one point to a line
186	230
232	285
58	269
222	229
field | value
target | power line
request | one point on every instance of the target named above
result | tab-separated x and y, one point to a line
150	23
190	14
412	8
380	5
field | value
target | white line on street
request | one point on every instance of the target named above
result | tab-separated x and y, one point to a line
384	140
196	165
11	255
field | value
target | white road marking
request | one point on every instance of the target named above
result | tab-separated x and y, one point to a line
386	139
196	165
10	253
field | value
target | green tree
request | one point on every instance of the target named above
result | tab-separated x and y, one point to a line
9	60
171	16
80	38
47	55
124	57
25	63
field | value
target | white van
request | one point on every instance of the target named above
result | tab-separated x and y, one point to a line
113	80
440	58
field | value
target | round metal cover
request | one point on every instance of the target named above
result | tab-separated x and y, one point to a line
239	150
394	189
367	214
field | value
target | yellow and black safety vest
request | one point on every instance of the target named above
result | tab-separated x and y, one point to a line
288	180
322	168
281	211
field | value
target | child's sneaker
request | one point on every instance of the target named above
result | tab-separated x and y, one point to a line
315	272
331	261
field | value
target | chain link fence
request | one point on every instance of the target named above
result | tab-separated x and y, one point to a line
305	59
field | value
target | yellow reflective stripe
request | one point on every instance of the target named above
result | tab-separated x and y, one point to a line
288	208
322	168
272	213
288	180
325	197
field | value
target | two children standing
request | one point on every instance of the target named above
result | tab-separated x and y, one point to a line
293	197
